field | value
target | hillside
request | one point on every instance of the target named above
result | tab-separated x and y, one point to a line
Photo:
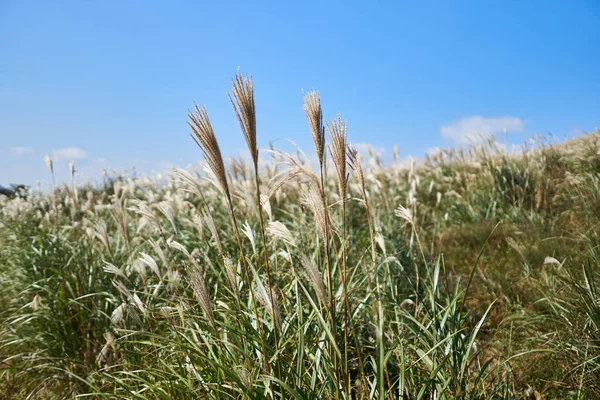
470	275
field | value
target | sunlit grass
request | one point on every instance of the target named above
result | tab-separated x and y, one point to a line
471	274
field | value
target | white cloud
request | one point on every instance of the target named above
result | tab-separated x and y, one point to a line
470	128
71	153
20	151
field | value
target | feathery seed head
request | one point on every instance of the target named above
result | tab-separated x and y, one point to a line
247	230
111	269
312	198
165	208
179	247
36	303
552	261
243	105
72	169
266	205
49	163
117	315
279	231
271	304
142	208
313	276
337	135
140	267
405	214
212	227
200	291
204	136
231	273
188	181
314	114
354	162
198	223
148	261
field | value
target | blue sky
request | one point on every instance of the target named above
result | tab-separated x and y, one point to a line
108	84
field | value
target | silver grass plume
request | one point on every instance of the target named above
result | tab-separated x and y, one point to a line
103	355
111	269
197	221
354	162
140	268
49	163
266	205
189	182
179	247
156	246
245	110
405	214
150	262
165	208
231	274
313	276
210	222
132	297
312	198
197	281
247	230
142	208
100	231
280	232
72	169
36	303
204	136
314	114
338	148
117	315
120	216
271	304
200	291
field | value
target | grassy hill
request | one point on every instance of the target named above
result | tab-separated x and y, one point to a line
471	274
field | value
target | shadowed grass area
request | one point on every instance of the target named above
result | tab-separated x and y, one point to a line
469	275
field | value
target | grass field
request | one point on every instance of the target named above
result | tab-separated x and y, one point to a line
469	275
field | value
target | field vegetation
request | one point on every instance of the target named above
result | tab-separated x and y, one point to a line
471	274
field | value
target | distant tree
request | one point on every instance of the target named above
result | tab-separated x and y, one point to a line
14	190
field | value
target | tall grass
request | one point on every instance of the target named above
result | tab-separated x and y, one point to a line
468	275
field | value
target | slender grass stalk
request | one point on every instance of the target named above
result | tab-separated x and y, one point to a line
410	218
245	110
355	165
50	165
337	134
354	162
74	193
314	114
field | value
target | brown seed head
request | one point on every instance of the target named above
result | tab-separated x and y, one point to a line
354	162
314	114
337	135
243	105
204	136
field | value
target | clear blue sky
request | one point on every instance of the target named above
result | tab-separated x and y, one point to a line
108	83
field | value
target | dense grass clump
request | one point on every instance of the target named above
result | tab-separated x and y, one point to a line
470	275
